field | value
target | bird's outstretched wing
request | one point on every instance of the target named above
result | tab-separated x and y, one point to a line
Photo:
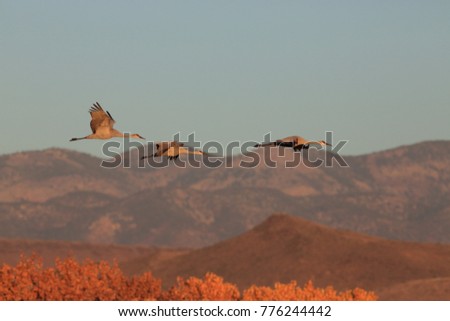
265	144
284	143
278	142
299	147
289	141
100	118
163	147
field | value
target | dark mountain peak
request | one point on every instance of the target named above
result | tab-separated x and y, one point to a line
285	248
282	230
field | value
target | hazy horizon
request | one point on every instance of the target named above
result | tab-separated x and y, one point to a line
376	74
98	153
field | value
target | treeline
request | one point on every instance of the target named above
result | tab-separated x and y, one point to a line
71	280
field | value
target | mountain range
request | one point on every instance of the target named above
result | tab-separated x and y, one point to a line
57	194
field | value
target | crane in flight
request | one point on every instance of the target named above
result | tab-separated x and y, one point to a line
295	142
173	150
102	125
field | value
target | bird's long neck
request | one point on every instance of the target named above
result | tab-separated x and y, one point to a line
116	133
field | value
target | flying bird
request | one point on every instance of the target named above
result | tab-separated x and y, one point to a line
102	125
295	142
173	150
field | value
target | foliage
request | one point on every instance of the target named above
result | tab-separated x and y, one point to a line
70	280
292	292
211	288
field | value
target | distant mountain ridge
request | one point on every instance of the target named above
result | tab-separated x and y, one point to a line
56	194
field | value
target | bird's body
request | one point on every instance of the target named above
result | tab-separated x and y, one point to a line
102	125
296	142
173	150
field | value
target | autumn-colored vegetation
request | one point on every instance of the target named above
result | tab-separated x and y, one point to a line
292	292
70	280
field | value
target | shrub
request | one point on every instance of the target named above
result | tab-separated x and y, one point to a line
70	280
292	292
211	288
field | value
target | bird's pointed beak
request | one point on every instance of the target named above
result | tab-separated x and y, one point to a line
327	144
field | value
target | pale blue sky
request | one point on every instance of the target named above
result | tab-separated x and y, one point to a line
376	73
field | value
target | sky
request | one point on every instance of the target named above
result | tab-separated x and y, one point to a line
375	73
